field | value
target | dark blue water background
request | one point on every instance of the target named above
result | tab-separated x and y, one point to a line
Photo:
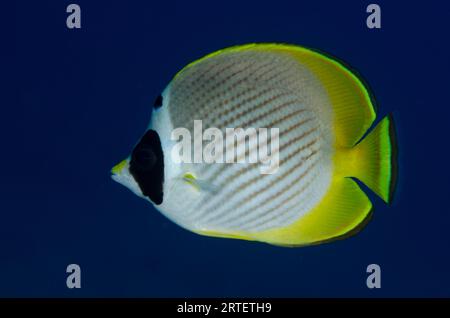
78	100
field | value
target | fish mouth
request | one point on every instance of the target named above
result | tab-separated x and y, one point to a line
117	169
121	175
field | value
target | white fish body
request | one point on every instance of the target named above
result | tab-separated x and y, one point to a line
270	86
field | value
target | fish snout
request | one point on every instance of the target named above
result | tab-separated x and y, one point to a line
117	169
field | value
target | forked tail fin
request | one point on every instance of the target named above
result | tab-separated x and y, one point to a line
375	159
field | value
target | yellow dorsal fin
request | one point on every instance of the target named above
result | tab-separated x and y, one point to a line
352	105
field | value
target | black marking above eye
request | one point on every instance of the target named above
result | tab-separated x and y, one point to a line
158	102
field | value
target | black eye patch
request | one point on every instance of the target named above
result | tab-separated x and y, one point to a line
158	102
147	166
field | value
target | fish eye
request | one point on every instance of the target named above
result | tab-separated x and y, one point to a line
144	158
158	102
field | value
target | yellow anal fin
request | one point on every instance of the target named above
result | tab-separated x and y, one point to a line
231	235
340	214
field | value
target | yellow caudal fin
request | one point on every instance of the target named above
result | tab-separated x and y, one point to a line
373	159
